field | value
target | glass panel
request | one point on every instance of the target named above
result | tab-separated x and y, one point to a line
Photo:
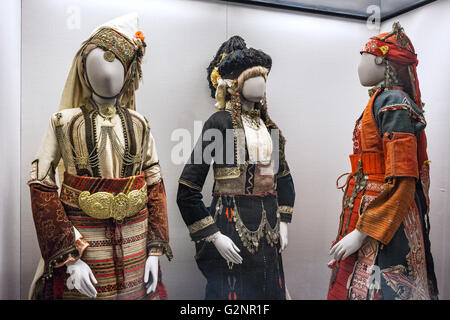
351	8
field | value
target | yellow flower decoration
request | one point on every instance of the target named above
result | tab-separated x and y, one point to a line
215	75
384	49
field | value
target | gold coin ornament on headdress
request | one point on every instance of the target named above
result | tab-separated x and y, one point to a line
109	56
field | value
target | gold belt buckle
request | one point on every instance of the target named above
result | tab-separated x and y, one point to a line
104	205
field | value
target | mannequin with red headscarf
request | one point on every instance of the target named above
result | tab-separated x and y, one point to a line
382	250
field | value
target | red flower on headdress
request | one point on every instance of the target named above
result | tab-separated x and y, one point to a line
139	35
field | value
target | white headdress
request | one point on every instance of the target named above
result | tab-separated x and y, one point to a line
122	37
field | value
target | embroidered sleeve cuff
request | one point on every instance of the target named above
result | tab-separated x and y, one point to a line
59	259
378	225
212	238
376	230
385	213
190	184
203	228
80	246
159	248
285	213
152	174
46	179
283	173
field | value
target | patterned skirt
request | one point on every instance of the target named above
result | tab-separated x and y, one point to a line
402	269
252	222
117	249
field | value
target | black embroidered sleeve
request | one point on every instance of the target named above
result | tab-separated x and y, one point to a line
285	187
286	197
189	198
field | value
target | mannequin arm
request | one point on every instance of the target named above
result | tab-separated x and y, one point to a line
286	198
385	213
284	186
81	278
283	235
158	226
191	205
199	222
58	240
380	220
348	245
197	217
151	273
226	247
399	121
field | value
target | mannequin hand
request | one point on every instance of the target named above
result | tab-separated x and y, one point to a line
151	267
81	278
227	249
283	235
348	245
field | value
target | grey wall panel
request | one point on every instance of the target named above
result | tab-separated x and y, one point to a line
426	27
10	150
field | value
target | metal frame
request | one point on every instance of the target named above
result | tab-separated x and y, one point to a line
283	4
406	9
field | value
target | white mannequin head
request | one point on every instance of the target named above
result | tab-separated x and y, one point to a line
371	69
106	78
254	89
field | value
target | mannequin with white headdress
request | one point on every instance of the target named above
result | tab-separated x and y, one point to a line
103	235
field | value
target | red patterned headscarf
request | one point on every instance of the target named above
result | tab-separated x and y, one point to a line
397	48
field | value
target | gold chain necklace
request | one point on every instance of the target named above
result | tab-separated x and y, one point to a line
252	117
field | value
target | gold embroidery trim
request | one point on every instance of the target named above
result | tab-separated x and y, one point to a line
200	224
190	184
227	173
283	174
116	43
286	209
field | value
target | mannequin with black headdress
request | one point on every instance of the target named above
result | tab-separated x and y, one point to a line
240	237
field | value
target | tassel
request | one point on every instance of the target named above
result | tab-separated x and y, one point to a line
229	216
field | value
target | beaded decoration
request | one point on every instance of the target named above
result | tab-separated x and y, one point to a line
113	41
